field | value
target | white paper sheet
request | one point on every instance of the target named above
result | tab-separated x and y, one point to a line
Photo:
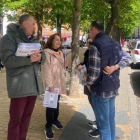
51	98
82	75
26	49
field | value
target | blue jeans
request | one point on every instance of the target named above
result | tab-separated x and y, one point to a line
104	109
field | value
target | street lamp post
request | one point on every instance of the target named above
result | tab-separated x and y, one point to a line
104	22
1	25
58	28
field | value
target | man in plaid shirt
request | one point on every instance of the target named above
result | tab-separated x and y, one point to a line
103	81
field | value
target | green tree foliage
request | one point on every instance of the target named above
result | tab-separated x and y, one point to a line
32	7
129	17
1	15
126	15
47	11
56	8
3	10
93	10
60	11
44	11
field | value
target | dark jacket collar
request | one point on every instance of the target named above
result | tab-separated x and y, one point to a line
100	34
21	34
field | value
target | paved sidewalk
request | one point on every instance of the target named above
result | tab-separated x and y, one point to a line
126	115
75	113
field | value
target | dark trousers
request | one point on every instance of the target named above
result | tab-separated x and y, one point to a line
89	94
52	115
20	115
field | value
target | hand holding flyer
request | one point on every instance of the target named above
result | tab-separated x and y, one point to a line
26	49
82	74
51	98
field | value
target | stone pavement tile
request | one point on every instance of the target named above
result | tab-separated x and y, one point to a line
34	138
2	132
134	135
3	136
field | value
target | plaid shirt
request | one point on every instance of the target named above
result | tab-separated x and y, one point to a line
95	69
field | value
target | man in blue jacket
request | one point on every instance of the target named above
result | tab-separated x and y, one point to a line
104	51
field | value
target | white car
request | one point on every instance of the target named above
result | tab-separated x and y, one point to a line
135	51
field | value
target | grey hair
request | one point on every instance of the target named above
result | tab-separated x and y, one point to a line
24	18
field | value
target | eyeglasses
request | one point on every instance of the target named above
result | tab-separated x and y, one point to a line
90	28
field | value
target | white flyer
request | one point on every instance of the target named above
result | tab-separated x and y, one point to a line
51	98
82	75
26	49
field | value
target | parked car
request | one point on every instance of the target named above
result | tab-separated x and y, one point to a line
66	45
130	44
135	51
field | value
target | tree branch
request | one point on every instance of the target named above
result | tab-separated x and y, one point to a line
114	16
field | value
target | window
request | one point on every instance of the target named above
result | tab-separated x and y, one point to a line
133	44
54	29
46	29
138	46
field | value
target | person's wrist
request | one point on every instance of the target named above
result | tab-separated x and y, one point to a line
117	67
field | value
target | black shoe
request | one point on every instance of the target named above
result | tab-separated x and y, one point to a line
57	125
94	134
48	133
93	124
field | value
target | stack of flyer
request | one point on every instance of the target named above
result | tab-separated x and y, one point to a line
51	98
26	49
82	75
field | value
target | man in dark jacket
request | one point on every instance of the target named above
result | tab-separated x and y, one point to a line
104	51
23	76
86	91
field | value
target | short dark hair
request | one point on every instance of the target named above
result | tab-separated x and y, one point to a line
98	25
23	18
49	43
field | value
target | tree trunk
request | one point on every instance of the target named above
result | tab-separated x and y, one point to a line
116	34
39	32
76	89
58	25
114	16
39	15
